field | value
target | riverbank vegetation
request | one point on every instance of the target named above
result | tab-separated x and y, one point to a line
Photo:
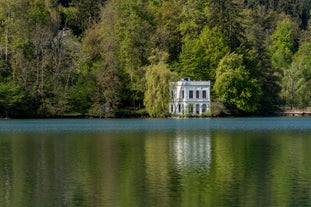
106	58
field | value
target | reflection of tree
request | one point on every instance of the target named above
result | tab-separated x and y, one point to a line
180	168
157	168
291	170
259	169
131	169
5	173
241	170
71	170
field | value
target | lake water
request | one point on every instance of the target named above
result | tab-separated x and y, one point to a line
156	162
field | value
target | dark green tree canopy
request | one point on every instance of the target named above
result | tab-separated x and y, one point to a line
92	57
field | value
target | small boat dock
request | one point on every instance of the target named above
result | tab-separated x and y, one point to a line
295	113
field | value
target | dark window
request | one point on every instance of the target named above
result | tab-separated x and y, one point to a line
190	94
197	94
182	94
203	94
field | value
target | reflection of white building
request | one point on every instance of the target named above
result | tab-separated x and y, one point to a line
193	152
189	97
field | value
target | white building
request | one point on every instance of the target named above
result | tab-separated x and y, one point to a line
189	97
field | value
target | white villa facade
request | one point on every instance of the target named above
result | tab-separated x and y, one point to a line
189	97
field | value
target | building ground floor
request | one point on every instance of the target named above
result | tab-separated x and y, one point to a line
190	108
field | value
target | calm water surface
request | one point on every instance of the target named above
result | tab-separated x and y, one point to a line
156	162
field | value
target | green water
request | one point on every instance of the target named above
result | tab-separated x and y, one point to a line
156	162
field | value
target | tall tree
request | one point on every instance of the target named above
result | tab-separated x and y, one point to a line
200	56
82	14
63	68
133	33
282	48
100	66
258	23
193	17
167	35
227	15
11	98
236	86
295	87
12	17
282	51
297	79
298	10
157	79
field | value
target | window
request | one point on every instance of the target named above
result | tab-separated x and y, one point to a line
190	94
182	94
190	108
204	94
197	94
203	108
179	108
197	109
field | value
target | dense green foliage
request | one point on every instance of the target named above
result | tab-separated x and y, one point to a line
92	57
235	84
157	89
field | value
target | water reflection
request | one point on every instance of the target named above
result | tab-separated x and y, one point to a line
174	164
5	172
193	158
175	167
192	151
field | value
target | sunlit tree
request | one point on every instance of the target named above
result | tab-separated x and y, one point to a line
235	85
157	79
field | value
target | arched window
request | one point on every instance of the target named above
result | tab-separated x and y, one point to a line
203	108
190	108
197	108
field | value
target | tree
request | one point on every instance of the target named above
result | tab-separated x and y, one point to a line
157	78
295	87
65	49
298	10
11	98
303	56
200	56
133	31
296	80
282	48
193	17
12	18
81	14
258	23
167	34
227	15
100	66
235	85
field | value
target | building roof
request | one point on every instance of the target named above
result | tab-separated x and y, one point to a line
186	81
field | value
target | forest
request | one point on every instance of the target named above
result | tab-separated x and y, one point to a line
115	58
